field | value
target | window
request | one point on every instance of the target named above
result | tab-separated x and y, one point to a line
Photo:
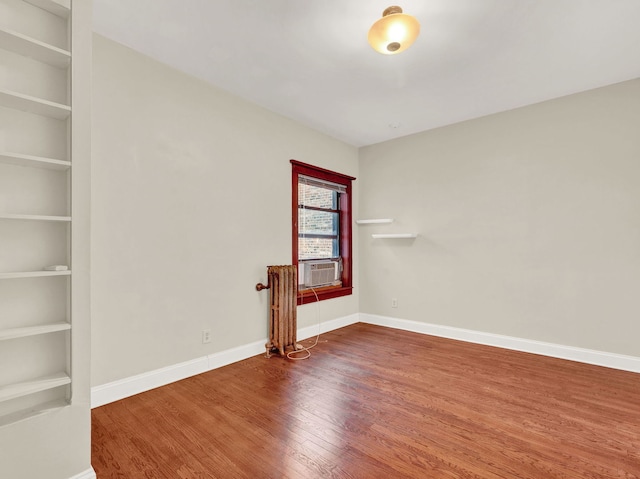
321	230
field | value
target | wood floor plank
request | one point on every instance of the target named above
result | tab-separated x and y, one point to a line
374	402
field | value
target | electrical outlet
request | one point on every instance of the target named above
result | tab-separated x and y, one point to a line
394	302
206	336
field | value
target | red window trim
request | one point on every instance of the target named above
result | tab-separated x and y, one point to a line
346	225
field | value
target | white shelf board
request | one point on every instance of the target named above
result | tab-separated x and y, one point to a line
394	235
31	104
19	159
375	221
12	391
35	217
32	48
34	274
60	8
33	411
13	333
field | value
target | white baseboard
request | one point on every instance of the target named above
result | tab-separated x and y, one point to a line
130	386
122	388
88	474
589	356
233	355
311	331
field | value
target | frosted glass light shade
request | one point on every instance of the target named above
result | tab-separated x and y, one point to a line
394	32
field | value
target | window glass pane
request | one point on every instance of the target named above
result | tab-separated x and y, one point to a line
315	196
318	235
312	222
317	248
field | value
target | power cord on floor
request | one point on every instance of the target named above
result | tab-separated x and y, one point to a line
305	349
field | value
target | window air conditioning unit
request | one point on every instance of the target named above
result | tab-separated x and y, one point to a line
321	273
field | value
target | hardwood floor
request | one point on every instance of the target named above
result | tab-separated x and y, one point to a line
374	402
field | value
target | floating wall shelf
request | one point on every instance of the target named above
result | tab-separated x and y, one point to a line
375	221
394	235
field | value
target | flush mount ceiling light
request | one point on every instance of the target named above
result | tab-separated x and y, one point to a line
394	32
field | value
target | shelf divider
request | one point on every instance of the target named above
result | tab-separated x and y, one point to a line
14	333
31	104
34	217
60	8
18	159
32	48
34	274
16	390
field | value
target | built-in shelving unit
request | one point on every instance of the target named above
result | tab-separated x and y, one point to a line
35	312
375	221
394	235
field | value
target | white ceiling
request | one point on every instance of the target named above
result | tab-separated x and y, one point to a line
309	60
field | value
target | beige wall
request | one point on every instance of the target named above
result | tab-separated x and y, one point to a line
529	223
528	219
191	202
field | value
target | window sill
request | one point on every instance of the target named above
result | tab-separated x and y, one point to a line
327	292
